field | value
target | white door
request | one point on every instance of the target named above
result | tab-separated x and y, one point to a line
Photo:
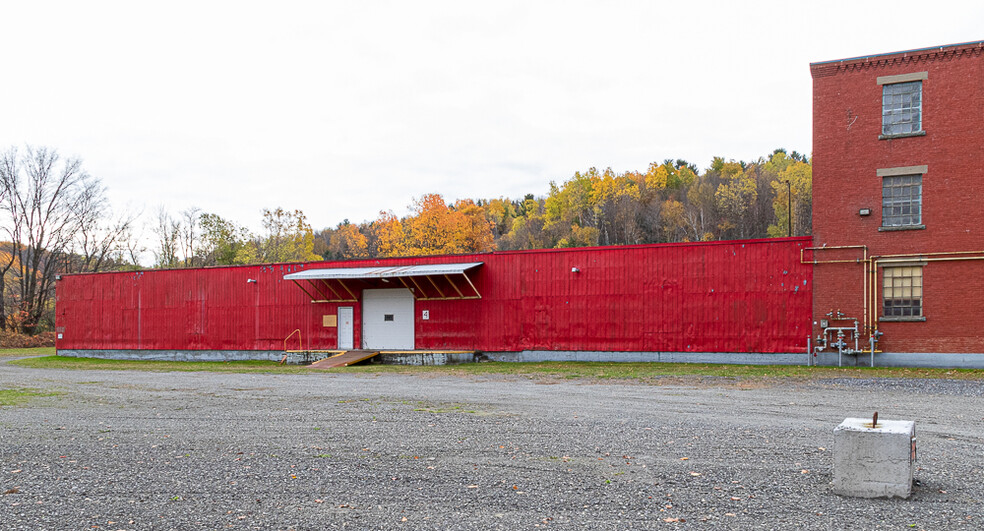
387	319
345	328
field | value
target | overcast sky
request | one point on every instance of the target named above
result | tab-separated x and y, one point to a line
342	109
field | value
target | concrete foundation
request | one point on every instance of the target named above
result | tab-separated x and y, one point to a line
741	358
874	462
943	360
424	358
966	361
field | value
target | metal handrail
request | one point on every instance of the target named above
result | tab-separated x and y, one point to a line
300	342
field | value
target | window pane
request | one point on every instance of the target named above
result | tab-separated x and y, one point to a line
902	108
902	291
901	200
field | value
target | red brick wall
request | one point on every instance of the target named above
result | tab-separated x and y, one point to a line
847	152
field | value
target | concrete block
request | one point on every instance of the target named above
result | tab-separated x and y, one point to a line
874	462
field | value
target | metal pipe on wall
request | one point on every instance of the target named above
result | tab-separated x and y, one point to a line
869	279
950	256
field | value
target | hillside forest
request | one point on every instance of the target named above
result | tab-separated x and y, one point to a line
56	220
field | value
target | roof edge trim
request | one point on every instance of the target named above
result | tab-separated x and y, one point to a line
916	51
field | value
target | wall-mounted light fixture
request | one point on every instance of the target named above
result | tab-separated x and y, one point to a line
575	270
864	212
250	280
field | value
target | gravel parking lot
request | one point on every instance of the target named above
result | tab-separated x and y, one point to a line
140	450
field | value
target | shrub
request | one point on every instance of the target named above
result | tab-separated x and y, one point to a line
9	339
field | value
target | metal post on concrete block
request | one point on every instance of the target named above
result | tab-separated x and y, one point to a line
874	459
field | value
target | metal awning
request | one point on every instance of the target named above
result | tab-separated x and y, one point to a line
383	272
426	282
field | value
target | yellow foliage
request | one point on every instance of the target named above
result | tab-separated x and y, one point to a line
347	242
672	214
388	233
798	192
609	188
289	239
658	177
737	192
501	213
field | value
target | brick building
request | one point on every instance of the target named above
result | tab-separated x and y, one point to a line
898	147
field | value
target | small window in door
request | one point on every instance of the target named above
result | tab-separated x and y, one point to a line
387	317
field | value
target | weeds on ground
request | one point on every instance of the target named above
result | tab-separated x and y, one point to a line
18	396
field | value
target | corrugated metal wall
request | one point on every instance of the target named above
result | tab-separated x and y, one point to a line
733	296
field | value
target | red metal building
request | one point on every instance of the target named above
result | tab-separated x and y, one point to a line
718	301
897	256
898	156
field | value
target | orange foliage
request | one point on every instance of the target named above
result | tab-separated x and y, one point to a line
477	230
347	242
9	339
436	229
387	231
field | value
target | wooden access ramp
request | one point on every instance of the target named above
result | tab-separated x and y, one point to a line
344	359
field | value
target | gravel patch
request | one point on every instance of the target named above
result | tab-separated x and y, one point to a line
911	385
136	450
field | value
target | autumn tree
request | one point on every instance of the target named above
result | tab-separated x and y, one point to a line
735	195
797	193
222	242
348	242
501	212
386	236
475	229
669	201
571	205
527	229
616	202
674	221
434	228
45	200
699	210
288	237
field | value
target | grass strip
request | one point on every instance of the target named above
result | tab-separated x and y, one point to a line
562	370
18	352
14	397
65	362
643	370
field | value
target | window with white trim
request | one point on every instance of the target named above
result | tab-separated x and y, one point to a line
902	201
902	108
902	292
